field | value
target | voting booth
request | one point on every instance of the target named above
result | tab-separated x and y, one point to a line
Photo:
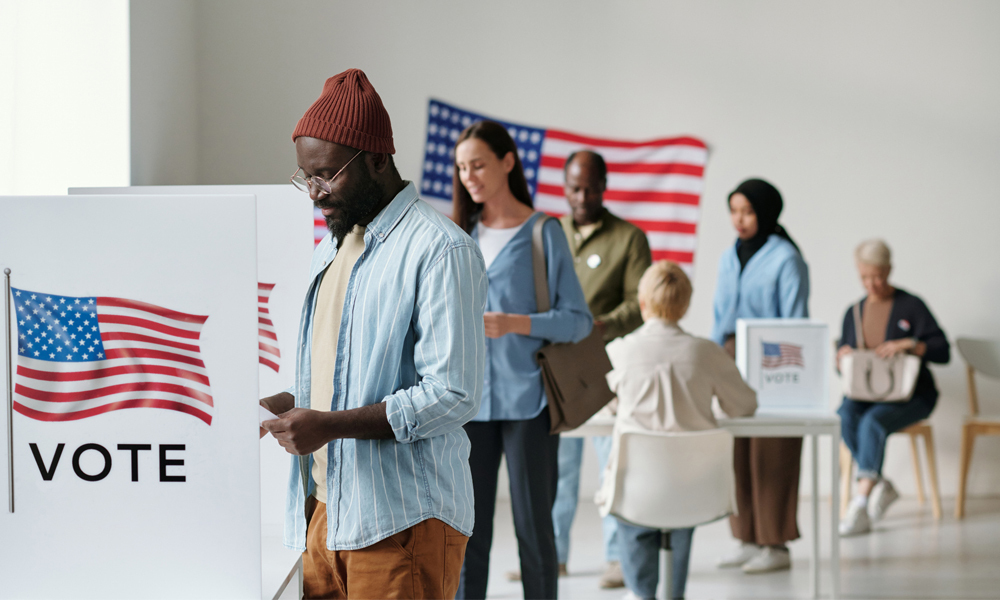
285	233
787	362
131	456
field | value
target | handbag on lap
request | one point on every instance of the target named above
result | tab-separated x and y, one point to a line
573	374
864	375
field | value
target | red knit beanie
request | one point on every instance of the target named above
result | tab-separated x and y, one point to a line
348	112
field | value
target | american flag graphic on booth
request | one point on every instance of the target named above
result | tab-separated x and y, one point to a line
655	185
780	354
267	343
78	357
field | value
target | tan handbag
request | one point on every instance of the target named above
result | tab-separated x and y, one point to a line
573	374
866	376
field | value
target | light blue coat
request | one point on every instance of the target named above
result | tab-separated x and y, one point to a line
513	389
774	285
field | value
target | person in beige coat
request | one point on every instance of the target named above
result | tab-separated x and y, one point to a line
665	379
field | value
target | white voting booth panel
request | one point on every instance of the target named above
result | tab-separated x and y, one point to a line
284	247
787	362
155	490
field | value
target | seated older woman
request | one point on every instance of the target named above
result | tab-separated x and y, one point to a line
892	322
665	380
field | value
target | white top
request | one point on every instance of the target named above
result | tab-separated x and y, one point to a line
492	240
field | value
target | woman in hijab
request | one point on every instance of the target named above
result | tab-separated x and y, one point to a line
762	276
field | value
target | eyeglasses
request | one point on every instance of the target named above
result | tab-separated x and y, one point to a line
305	184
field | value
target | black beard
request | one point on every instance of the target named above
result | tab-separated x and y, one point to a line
365	196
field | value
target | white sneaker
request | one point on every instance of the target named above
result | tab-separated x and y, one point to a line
632	596
882	496
856	521
769	559
739	556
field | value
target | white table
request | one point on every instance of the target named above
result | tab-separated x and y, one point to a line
772	425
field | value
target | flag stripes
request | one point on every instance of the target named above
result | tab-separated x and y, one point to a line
267	342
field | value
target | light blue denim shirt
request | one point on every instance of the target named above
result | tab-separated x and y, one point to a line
773	285
513	387
411	336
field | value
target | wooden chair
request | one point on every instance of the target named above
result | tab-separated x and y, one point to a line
982	356
917	430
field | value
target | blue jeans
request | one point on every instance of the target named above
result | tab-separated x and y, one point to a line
865	426
641	559
568	495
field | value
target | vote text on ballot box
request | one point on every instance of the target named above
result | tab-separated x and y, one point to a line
787	362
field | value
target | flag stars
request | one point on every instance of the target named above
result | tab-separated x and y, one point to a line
37	352
18	293
33	297
62	301
72	336
100	355
52	355
77	300
87	336
77	315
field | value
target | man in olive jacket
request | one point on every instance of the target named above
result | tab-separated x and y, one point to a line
610	255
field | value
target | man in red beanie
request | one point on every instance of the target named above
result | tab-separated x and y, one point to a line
390	366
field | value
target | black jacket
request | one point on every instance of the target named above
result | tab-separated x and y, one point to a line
908	318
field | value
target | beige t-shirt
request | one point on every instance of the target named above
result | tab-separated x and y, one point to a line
326	329
875	320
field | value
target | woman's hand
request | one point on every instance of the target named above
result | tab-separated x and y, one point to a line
842	352
500	324
894	347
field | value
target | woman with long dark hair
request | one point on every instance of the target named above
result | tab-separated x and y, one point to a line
762	276
491	201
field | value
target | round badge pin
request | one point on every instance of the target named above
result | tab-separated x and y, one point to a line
593	261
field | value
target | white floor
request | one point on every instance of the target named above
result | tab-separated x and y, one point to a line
909	555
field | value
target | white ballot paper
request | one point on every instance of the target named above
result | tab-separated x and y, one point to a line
265	415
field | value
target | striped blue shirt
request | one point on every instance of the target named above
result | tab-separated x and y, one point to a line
411	335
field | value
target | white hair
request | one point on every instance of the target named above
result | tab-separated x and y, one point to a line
875	253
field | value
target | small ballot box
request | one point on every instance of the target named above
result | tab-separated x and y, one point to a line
787	361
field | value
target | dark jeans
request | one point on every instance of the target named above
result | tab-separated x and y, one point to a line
640	558
865	426
533	469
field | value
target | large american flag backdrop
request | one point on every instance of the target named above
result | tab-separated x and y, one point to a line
83	356
656	185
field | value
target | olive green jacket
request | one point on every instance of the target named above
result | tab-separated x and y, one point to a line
609	264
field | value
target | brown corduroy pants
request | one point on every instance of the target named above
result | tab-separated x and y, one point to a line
424	561
767	490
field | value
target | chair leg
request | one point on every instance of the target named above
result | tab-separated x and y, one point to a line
846	465
668	564
916	469
932	473
968	440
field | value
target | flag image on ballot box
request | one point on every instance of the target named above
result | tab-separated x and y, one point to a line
656	184
777	355
267	343
78	357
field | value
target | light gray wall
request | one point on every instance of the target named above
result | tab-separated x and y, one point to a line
164	72
873	119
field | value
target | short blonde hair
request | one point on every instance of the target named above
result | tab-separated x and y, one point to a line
665	290
874	253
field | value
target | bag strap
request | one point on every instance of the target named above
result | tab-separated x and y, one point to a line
859	334
538	264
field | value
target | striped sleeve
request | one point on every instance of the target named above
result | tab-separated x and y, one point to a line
449	349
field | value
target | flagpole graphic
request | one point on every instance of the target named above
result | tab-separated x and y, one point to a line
10	390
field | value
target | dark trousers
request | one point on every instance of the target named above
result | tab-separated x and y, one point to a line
767	490
865	426
533	468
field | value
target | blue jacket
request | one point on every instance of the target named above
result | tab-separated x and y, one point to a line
773	285
513	387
